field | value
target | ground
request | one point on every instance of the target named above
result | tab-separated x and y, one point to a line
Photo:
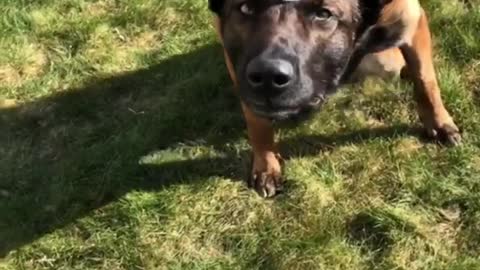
123	147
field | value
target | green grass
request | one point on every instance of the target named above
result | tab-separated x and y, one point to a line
123	147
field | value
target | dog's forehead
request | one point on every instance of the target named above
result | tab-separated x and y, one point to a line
319	2
340	6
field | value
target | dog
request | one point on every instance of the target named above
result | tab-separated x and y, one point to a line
285	57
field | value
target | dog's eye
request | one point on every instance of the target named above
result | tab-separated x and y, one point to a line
323	14
246	9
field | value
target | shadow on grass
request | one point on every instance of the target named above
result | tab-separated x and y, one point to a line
76	151
372	232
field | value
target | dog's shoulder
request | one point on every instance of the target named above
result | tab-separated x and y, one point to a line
393	24
401	16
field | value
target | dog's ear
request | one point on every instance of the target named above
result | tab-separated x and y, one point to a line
216	5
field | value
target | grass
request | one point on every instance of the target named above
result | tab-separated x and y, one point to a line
122	147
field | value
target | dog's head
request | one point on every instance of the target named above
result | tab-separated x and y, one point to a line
289	55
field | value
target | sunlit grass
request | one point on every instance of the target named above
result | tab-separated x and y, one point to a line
123	147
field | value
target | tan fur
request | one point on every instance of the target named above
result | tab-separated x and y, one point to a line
385	64
418	55
401	14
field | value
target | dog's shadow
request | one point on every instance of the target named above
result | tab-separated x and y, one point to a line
66	155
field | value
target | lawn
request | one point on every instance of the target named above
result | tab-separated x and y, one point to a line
122	146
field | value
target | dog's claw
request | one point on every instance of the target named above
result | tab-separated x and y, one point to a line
252	180
449	134
267	185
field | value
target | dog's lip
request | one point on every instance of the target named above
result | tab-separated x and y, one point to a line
264	110
277	114
317	101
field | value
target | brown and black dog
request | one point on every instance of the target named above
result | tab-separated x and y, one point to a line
286	57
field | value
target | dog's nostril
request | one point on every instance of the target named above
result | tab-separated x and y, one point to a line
281	80
255	78
273	74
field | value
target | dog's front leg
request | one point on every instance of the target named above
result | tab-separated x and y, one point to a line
266	175
418	55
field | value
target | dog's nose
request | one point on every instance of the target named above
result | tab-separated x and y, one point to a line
275	74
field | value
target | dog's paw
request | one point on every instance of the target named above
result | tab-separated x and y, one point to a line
444	130
447	133
266	176
267	185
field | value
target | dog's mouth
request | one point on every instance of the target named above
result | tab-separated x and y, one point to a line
283	113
